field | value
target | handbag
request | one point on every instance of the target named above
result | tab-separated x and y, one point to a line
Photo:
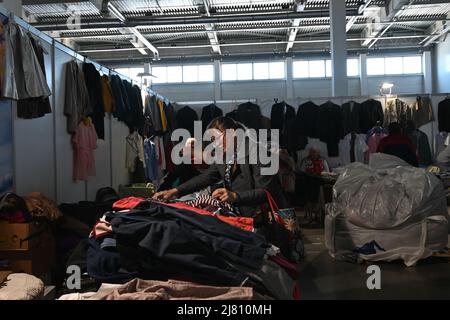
280	228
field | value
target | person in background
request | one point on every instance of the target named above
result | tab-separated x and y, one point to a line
185	171
310	182
399	145
314	163
242	185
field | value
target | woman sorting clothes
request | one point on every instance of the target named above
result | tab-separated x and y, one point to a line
237	183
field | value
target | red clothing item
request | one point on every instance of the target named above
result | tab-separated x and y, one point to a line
400	146
84	143
290	268
127	203
239	222
314	166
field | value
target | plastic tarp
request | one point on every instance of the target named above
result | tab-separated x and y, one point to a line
400	207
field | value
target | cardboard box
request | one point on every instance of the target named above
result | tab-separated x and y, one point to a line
22	236
28	247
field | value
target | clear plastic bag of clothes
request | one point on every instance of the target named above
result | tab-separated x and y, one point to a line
400	207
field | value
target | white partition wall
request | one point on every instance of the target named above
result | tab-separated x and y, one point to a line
118	146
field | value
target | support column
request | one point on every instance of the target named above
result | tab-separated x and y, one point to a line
289	79
14	6
217	82
427	72
364	83
338	48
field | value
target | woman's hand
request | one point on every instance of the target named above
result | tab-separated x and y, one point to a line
166	195
224	195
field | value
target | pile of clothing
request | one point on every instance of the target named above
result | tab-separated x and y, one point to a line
162	241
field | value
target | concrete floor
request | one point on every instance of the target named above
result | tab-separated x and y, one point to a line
321	277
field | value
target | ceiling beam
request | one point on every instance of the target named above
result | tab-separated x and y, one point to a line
87	23
353	19
239	44
212	35
70	35
138	39
41	2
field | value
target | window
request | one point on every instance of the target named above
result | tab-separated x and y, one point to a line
185	74
412	64
328	69
131	73
229	72
375	66
244	71
394	65
253	71
322	68
352	67
160	74
174	74
261	71
206	73
301	69
317	69
277	70
190	73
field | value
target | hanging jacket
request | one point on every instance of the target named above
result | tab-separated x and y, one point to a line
108	100
32	108
153	111
422	111
162	112
249	114
77	105
170	114
209	113
371	112
118	97
351	117
24	78
330	127
305	124
397	111
282	117
359	148
444	115
185	118
94	87
420	142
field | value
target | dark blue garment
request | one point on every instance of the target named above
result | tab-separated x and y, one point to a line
104	265
369	248
160	240
151	165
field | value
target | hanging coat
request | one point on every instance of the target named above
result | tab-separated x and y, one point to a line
94	87
351	117
282	118
209	113
330	127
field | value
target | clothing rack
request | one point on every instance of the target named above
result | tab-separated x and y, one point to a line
216	101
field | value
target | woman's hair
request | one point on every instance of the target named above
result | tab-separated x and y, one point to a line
223	123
